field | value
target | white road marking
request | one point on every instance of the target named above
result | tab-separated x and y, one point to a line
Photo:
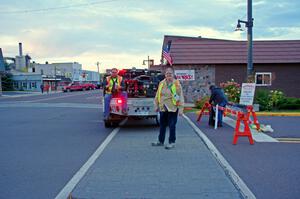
50	105
65	192
239	183
51	98
257	136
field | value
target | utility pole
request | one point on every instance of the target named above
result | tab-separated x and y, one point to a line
250	41
98	63
249	25
148	62
55	78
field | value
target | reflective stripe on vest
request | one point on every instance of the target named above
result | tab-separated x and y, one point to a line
173	92
110	81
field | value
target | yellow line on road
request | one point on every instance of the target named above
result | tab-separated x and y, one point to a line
277	114
289	140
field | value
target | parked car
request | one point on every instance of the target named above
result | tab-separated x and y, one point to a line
88	86
75	86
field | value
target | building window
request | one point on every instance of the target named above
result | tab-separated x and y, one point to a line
33	84
24	84
263	79
16	84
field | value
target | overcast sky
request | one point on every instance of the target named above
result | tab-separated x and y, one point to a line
122	33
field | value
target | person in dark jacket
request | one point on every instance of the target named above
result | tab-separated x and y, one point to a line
217	98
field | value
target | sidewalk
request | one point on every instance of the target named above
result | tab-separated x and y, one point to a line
130	167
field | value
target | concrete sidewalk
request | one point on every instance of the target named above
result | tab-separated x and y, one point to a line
130	167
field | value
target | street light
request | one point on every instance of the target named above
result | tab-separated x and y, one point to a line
149	62
249	25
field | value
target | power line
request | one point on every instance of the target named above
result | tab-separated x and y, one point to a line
57	8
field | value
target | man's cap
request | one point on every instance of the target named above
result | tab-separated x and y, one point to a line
212	87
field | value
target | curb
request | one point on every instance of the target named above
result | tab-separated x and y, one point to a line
230	172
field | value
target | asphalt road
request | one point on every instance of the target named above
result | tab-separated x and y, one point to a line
270	170
45	139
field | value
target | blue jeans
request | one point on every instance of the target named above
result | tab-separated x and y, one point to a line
167	119
107	99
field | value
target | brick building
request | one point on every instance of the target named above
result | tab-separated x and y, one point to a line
212	61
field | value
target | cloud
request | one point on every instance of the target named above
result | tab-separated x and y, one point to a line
281	33
124	33
206	32
107	60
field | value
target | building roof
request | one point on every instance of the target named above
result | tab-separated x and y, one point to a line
197	50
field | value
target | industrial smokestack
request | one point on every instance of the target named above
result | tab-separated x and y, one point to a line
20	50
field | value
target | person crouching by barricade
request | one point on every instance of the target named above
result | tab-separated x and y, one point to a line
217	98
114	87
169	102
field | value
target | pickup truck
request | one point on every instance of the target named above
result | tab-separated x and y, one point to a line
141	86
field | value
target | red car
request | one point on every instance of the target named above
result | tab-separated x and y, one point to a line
88	86
75	86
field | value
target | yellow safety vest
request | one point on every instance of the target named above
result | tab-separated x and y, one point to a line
110	81
174	88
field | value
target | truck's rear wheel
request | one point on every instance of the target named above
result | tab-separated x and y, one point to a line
107	124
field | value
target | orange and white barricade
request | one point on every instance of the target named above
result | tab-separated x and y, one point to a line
243	114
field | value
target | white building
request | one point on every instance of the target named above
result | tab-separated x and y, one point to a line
70	70
89	76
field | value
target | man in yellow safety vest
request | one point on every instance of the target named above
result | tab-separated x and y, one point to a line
169	101
113	85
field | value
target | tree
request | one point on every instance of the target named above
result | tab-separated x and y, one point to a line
7	82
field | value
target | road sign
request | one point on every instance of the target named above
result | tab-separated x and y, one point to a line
247	94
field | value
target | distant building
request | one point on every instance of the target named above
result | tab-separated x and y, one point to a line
22	62
203	62
27	81
89	76
70	70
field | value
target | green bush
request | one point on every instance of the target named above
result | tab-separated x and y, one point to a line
7	83
201	101
262	97
232	90
289	103
275	100
276	97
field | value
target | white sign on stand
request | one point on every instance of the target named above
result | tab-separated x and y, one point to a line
247	94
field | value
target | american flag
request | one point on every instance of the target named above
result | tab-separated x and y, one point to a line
167	56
